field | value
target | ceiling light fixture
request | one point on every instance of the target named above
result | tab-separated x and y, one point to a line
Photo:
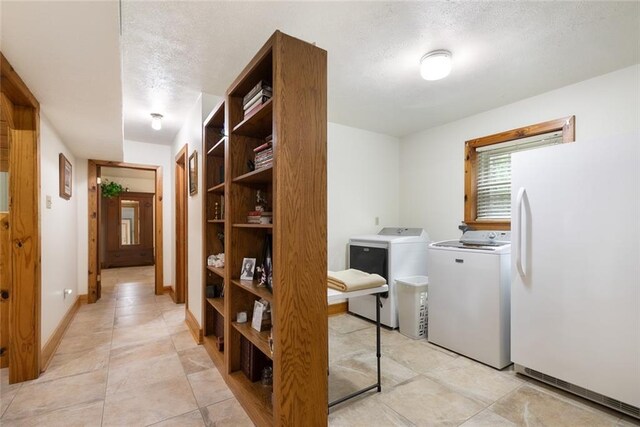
435	65
156	121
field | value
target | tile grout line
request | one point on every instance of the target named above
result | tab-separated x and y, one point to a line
106	383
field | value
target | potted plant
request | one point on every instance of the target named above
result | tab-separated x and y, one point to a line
111	189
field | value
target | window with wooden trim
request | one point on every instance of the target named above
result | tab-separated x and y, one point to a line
487	200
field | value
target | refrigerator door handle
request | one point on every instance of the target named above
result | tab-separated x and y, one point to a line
519	229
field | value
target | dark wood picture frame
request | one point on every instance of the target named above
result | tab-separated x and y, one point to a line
66	176
193	173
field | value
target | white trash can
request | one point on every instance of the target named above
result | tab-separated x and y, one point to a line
412	306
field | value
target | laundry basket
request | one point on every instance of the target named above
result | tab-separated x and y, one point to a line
412	306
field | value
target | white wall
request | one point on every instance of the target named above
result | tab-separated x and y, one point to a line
59	228
142	185
362	184
191	134
432	171
143	153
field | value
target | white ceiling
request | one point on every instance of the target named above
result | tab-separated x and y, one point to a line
69	54
502	51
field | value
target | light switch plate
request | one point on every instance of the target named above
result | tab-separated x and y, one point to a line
48	202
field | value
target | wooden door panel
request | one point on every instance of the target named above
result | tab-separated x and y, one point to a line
24	356
5	285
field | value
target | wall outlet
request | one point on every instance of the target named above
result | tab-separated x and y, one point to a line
48	203
377	220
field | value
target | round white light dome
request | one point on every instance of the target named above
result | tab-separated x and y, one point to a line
435	65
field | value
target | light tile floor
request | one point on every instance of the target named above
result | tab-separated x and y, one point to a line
426	385
129	360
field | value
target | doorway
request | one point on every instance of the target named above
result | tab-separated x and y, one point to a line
125	229
181	227
20	228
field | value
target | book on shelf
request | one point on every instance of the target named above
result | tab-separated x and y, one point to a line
262	147
261	97
263	157
269	138
253	110
262	85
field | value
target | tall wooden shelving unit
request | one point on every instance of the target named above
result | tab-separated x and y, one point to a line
295	188
214	166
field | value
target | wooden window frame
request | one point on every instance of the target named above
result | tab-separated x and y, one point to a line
566	124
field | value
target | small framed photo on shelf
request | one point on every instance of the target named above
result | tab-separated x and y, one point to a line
248	267
193	173
65	177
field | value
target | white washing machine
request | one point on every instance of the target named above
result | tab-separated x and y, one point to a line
393	253
469	296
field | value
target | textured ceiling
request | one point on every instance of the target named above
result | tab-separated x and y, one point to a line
502	52
68	54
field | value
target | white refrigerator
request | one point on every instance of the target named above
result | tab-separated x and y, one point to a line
575	292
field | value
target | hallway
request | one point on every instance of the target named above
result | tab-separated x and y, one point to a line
127	360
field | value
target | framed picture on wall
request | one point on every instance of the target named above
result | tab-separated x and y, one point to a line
193	173
66	177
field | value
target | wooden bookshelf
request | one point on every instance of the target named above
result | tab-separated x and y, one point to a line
295	117
217	303
214	318
258	176
252	286
216	189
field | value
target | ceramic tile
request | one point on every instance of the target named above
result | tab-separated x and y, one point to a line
349	375
137	319
75	344
627	421
344	346
149	403
143	351
195	359
369	410
346	323
532	407
477	381
427	403
209	387
143	372
226	414
141	300
38	398
67	364
487	418
420	357
136	309
183	340
129	335
7	391
190	419
81	415
88	327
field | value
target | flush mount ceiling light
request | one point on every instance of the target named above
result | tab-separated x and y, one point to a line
435	65
156	121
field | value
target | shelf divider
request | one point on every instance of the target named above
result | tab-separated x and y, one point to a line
258	339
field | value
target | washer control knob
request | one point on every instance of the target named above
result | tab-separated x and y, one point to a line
492	235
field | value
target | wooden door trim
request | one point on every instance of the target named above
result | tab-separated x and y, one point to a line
94	262
181	289
24	164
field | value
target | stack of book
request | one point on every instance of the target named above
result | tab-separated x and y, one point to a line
253	217
264	154
256	97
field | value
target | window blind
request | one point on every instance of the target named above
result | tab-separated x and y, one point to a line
494	173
